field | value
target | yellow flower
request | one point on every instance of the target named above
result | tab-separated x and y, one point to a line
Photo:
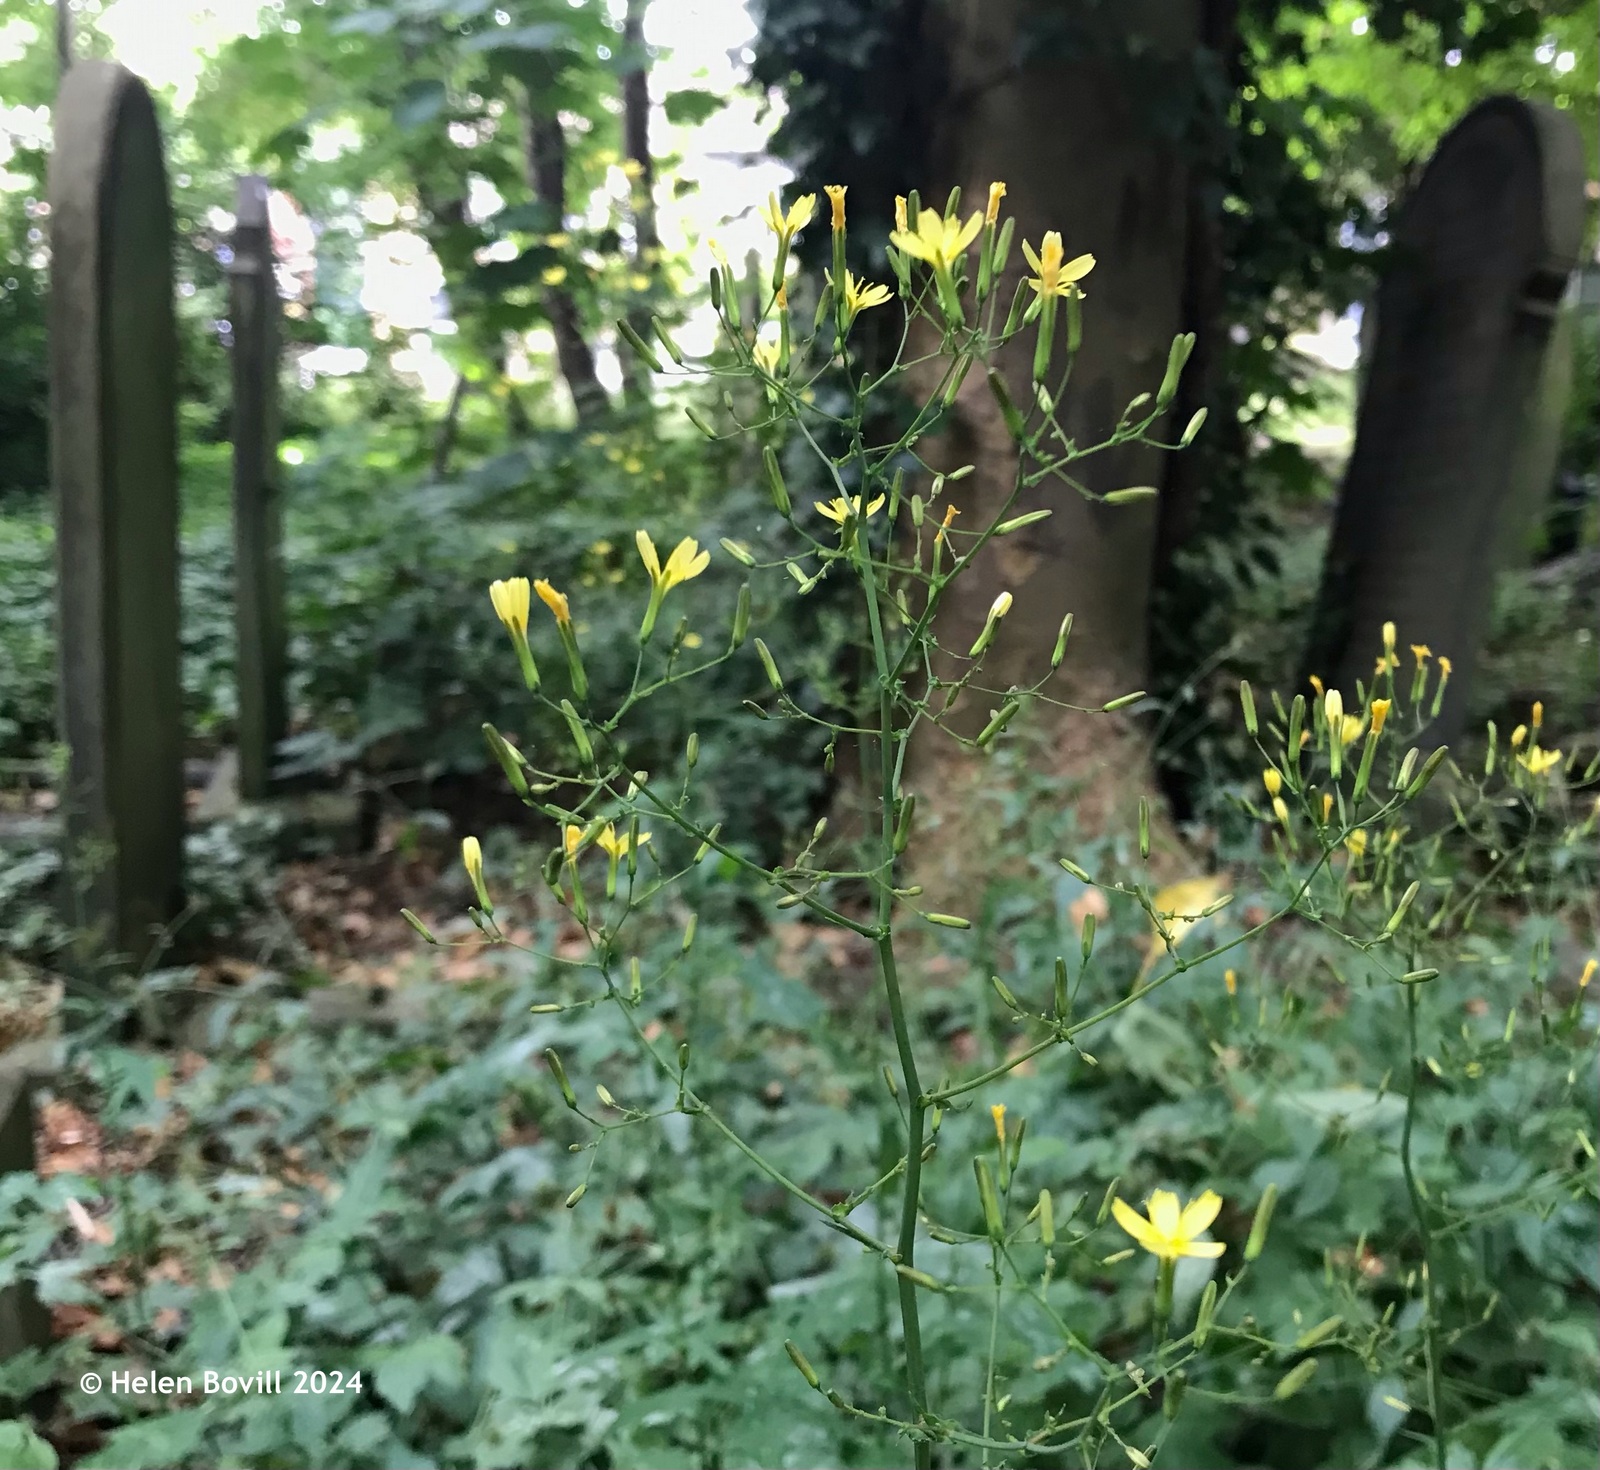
1538	714
553	275
860	295
1380	713
510	599
1518	736
1356	842
998	1113
1171	1230
1445	666
939	241
1054	278
472	861
616	847
997	192
1388	637
836	193
1333	709
787	226
839	509
766	355
1316	684
1327	805
555	601
1280	810
1590	966
1230	978
1421	652
1350	728
571	838
1000	606
1539	761
1272	779
899	211
950	513
686	562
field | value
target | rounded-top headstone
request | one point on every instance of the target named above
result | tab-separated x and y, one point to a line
113	397
1456	433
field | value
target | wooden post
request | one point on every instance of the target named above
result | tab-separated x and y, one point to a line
114	462
262	655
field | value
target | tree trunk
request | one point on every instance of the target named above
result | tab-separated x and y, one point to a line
1068	138
636	150
545	163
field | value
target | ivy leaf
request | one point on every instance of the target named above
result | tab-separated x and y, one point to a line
22	1448
408	1369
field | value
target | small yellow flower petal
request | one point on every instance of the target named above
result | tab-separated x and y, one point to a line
998	1113
1136	1226
1272	779
511	598
997	192
1199	1213
1380	713
647	554
555	601
836	193
1164	1211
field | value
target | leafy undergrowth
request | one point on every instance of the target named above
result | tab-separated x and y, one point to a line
385	1202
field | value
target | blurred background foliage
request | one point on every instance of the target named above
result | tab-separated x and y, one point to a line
322	1196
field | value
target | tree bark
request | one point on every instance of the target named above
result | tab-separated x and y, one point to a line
445	441
545	163
636	149
1068	138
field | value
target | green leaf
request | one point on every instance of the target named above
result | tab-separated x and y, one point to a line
365	23
407	1370
420	102
692	106
148	1444
22	1449
548	35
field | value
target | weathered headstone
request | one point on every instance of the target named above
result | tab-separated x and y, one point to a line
29	1053
113	433
262	654
1456	434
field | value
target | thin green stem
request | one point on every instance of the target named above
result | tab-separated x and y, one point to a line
917	1108
1430	1322
994	1343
